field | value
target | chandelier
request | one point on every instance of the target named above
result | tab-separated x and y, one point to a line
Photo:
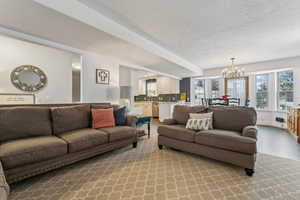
232	71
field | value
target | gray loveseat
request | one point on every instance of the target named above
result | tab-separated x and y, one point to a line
233	139
36	139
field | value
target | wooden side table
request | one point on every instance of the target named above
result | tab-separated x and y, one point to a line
293	122
144	120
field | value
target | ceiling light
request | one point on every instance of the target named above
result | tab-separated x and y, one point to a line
232	71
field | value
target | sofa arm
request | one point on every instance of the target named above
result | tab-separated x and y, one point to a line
4	188
250	131
169	122
131	120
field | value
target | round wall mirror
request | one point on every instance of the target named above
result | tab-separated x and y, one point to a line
28	78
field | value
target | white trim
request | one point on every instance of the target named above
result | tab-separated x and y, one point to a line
38	40
246	73
83	13
272	71
268	110
208	77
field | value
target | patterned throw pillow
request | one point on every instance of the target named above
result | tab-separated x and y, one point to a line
199	124
203	116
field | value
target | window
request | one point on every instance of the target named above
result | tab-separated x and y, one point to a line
151	87
238	88
199	86
215	88
261	82
285	89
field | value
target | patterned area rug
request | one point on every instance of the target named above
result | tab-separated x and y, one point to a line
152	174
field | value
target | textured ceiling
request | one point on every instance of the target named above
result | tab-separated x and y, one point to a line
32	18
209	33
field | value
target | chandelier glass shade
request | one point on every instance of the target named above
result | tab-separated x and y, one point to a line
232	71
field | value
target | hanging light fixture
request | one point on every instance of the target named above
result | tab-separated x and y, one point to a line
232	71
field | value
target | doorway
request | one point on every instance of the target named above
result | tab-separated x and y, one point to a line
76	78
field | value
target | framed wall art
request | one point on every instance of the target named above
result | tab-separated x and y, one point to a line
14	99
102	76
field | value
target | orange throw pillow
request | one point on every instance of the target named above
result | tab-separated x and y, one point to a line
103	118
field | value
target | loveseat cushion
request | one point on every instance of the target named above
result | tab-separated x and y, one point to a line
30	150
119	133
181	112
178	132
22	122
228	140
233	118
84	138
68	118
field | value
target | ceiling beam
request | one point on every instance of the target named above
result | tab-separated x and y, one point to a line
48	43
83	13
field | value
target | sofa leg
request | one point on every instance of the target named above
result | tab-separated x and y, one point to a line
160	146
249	172
134	145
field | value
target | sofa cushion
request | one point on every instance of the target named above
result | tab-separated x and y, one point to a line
181	112
103	118
178	132
70	118
30	150
119	132
233	118
22	122
120	116
84	138
228	140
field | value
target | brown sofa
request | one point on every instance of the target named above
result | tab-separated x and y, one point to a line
38	138
233	139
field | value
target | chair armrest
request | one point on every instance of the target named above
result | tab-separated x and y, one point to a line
169	122
4	187
250	131
131	120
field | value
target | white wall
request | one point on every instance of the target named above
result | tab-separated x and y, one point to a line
267	116
56	64
92	92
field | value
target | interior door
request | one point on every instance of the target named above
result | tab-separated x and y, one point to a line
238	88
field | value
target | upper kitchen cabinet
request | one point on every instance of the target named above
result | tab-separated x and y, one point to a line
166	85
163	85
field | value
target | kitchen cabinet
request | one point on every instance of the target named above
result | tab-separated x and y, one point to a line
165	85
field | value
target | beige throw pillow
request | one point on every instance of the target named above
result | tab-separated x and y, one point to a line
203	116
